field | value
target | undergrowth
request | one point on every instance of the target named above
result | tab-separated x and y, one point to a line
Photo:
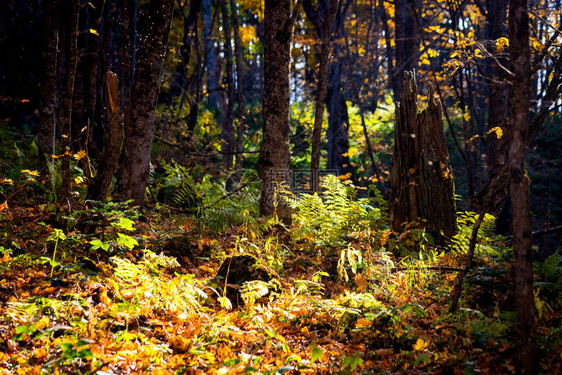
121	290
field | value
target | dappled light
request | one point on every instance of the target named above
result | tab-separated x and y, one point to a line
280	187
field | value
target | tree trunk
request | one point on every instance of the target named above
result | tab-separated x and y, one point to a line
407	41
210	58
338	119
422	181
227	129
71	55
519	104
48	88
274	149
322	87
496	147
108	164
239	85
135	163
179	85
92	76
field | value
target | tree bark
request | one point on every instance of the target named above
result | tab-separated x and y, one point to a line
496	147
210	57
519	104
108	164
407	41
227	129
71	55
239	85
48	88
422	181
338	118
139	132
274	161
322	87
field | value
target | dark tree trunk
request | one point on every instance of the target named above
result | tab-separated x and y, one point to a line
322	86
108	164
48	88
180	81
519	104
422	181
91	71
239	85
338	120
227	129
407	41
139	132
274	149
210	57
496	147
389	51
71	56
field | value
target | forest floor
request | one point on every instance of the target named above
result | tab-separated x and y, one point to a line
141	296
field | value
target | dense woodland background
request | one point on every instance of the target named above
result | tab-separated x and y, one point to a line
139	134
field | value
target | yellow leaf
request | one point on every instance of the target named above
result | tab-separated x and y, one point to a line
537	45
421	344
247	34
80	155
6	181
95	32
497	130
478	53
501	43
432	52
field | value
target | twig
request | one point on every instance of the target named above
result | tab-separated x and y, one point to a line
435	268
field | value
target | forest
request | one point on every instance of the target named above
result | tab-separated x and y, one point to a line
280	187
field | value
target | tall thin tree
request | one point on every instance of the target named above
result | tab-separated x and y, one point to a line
519	104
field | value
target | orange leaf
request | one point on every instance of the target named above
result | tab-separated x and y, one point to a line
363	323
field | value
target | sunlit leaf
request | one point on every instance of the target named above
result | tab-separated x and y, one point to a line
421	344
501	43
497	130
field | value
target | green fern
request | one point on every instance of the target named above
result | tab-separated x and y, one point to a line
329	219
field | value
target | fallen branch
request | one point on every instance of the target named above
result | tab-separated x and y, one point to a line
436	268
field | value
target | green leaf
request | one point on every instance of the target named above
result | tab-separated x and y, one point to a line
97	244
315	353
124	223
127	241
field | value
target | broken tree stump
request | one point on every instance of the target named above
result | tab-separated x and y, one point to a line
422	180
